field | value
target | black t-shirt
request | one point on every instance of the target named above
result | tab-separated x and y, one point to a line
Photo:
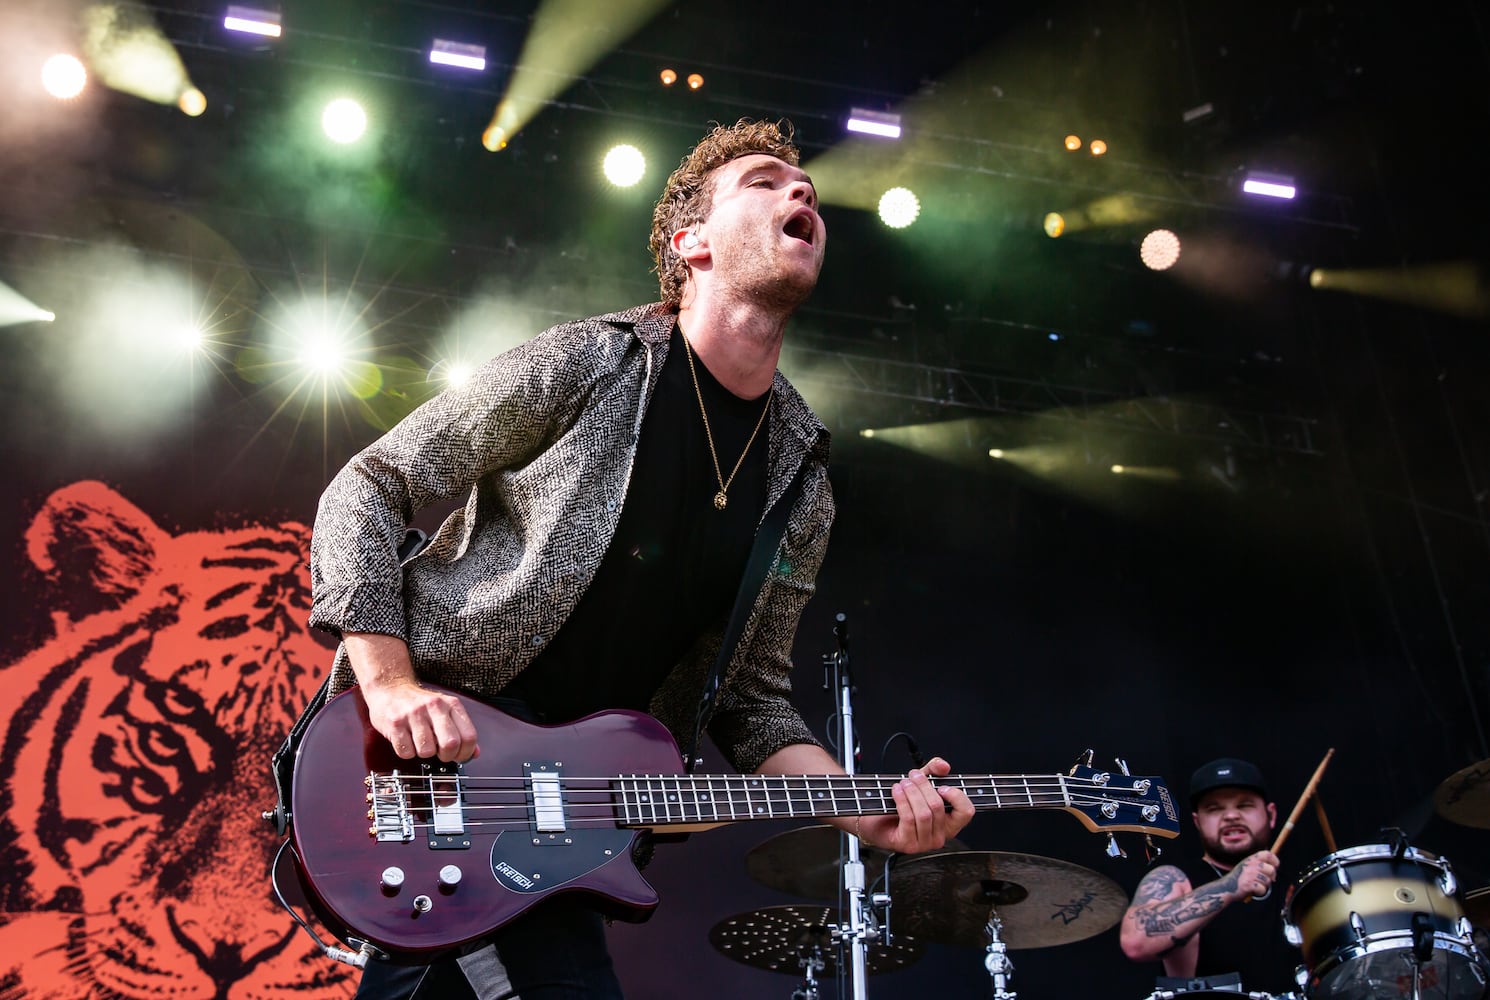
1246	938
674	566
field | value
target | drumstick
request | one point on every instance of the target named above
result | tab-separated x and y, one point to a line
1299	807
1324	824
1308	791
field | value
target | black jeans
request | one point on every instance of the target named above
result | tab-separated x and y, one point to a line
555	952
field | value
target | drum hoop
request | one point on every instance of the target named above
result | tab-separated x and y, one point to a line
1393	940
1365	852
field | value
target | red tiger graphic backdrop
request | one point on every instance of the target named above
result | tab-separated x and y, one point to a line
136	742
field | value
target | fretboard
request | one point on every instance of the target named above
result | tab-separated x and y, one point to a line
660	800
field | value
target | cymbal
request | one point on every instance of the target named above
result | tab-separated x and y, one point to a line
1464	796
780	938
946	898
805	862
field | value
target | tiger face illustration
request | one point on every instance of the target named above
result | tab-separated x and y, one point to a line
134	857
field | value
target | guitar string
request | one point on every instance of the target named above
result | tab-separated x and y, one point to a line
837	780
416	785
651	795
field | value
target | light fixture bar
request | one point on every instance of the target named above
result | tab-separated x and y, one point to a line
878	123
253	21
446	53
1269	185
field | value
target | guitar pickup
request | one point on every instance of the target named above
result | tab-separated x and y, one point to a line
446	802
547	797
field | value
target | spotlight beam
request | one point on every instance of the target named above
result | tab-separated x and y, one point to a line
15	308
568	38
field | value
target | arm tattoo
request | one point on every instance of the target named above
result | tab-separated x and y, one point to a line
1204	902
1157	884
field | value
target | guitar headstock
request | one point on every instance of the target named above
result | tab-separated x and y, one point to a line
1112	802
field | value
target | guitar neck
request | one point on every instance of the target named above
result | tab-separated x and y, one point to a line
668	800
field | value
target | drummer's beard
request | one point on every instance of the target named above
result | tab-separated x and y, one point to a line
1231	857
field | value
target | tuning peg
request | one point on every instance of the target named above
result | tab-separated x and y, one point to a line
1114	849
1152	852
1122	766
1083	760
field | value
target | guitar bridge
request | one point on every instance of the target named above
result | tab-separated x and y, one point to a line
391	819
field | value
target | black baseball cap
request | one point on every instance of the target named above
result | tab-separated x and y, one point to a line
1228	772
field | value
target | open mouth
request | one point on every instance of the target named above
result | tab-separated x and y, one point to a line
799	227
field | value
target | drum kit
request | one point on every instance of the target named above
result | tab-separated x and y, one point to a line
1380	921
989	900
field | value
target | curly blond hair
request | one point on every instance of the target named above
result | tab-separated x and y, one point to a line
689	194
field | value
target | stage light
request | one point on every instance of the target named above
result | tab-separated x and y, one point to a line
695	81
451	373
899	207
1073	142
15	308
867	432
995	453
1160	250
252	21
1269	185
344	121
191	338
668	77
1098	147
880	123
1118	470
1055	224
494	138
459	54
64	77
458	373
624	165
1197	113
192	102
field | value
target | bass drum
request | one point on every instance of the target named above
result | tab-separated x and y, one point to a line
1383	922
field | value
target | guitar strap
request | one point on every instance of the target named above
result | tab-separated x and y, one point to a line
762	558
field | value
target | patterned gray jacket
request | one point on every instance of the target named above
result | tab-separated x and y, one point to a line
543	438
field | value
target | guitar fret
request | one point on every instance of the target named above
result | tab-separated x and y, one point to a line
697	808
818	796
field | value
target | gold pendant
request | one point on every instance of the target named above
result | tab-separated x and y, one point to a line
720	500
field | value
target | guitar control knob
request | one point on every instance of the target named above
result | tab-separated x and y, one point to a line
450	876
422	904
393	877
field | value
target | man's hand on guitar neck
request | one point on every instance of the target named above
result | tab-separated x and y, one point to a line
927	815
418	722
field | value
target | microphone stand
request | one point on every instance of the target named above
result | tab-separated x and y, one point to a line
853	866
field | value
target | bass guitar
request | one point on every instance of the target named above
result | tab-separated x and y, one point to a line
415	858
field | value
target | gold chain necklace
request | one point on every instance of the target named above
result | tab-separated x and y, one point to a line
720	499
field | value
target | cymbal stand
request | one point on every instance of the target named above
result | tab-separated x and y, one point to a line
998	963
812	963
854	936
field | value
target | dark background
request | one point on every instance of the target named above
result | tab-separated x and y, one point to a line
1314	575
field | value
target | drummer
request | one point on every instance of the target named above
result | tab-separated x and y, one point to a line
1192	916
